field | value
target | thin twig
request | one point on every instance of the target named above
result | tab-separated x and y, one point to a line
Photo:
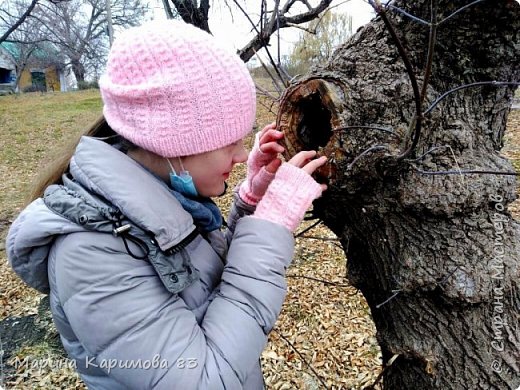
302	357
445	279
308	228
428	152
402	11
327	282
366	127
266	93
477	84
459	10
380	376
301	28
468	172
262	37
395	293
369	150
278	87
269	108
320	238
333	240
431	49
417	122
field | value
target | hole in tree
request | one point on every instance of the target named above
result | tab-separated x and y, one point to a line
314	129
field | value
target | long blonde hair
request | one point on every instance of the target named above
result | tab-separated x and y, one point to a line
52	173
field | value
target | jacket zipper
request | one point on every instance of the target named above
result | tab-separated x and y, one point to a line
183	244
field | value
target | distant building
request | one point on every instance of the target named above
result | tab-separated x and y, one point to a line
7	72
44	71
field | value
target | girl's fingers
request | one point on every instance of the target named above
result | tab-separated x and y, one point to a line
301	158
270	126
273	166
270	135
314	164
272	148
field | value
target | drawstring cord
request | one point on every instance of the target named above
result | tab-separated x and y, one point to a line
123	231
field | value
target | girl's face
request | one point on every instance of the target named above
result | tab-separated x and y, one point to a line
211	169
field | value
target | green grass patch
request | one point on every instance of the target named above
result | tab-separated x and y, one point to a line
33	127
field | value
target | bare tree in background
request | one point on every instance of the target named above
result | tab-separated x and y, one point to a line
12	20
79	28
279	15
317	42
26	43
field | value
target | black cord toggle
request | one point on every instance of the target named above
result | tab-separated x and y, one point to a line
123	231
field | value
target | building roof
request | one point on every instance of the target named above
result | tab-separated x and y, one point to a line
45	54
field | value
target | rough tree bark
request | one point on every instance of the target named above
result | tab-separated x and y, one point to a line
443	248
78	69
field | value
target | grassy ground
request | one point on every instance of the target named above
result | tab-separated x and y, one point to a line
328	326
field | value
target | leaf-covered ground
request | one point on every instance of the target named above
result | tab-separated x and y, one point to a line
324	336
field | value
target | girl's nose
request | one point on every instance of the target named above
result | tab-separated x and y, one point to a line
241	155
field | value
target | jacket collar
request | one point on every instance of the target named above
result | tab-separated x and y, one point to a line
140	196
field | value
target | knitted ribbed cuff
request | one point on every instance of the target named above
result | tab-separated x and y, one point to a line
288	197
252	190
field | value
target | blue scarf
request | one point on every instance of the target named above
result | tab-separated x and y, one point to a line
204	211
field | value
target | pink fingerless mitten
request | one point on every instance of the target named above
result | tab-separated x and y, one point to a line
288	197
258	179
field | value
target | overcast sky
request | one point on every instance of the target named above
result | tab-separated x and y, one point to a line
232	26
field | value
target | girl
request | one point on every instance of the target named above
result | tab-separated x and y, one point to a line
145	290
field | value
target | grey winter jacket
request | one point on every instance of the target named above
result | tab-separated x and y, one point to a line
193	314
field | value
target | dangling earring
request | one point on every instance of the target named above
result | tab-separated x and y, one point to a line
182	183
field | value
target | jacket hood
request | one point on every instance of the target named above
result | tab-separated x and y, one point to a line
30	239
102	180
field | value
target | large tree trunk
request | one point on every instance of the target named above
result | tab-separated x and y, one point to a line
78	69
444	248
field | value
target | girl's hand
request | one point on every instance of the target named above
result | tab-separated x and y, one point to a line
262	164
268	145
292	191
305	160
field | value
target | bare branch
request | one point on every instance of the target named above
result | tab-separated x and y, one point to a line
378	128
19	21
466	172
459	10
395	294
282	21
288	6
327	282
477	84
301	28
266	93
364	153
167	9
307	16
303	358
277	86
409	15
415	125
431	48
308	228
189	12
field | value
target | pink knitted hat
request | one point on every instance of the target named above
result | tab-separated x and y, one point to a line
173	89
